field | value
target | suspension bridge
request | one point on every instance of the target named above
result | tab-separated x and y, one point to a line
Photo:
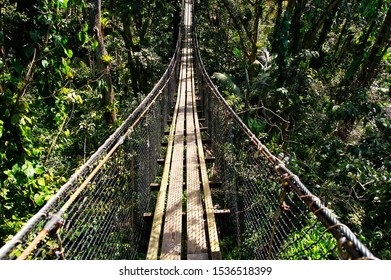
181	178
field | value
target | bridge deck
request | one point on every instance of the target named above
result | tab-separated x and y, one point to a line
184	141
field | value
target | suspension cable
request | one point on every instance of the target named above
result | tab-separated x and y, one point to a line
55	219
355	248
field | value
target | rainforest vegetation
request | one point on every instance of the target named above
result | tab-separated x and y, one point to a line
310	77
70	71
312	80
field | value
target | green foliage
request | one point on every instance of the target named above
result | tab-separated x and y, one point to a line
310	243
313	98
229	249
51	114
228	83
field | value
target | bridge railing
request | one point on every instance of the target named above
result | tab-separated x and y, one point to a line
98	213
275	215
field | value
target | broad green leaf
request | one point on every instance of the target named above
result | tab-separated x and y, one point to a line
27	119
15	168
26	132
39	170
237	53
27	151
70	75
21	85
15	218
65	90
387	56
104	21
39	199
95	44
64	3
28	169
82	37
64	40
45	63
78	99
36	153
228	82
68	52
41	182
15	119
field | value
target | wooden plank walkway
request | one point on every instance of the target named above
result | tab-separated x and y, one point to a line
184	145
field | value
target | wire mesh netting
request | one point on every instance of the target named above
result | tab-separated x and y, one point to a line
273	215
98	213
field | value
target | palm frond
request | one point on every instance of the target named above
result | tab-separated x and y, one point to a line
227	82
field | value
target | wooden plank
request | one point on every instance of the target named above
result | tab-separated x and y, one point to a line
218	212
154	186
196	237
204	256
171	244
196	175
172	233
154	239
211	222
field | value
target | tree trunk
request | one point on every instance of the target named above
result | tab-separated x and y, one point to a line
254	40
277	27
283	44
337	48
176	21
2	48
295	27
239	28
311	35
370	66
128	38
363	74
102	67
316	62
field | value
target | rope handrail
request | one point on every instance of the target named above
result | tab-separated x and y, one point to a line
110	145
354	247
99	212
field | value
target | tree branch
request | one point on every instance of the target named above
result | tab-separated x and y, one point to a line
264	108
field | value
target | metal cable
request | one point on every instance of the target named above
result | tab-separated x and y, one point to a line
98	213
110	190
270	228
